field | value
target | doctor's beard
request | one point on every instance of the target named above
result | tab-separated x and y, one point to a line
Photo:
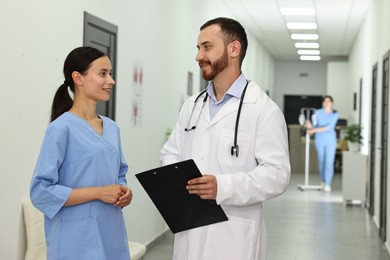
216	67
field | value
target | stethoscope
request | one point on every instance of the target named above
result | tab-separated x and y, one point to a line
235	149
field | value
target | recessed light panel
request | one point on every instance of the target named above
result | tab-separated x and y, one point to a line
307	45
297	36
304	57
308	52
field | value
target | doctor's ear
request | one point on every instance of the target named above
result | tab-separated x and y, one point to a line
77	78
235	49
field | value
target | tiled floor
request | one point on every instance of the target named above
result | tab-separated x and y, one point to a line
310	225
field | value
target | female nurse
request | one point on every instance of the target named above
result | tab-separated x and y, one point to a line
79	181
325	140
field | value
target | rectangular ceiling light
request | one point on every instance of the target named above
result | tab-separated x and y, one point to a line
303	57
297	36
306	45
308	52
301	25
298	11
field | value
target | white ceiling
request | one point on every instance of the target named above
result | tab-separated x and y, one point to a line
338	23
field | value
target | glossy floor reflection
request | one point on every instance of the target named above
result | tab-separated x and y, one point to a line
310	225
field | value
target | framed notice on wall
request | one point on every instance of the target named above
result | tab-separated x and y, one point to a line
137	97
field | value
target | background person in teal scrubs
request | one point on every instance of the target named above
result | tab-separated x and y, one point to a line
79	181
325	140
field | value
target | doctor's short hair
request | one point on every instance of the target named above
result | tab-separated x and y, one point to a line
233	31
79	59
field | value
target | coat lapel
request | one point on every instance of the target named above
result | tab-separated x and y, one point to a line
230	107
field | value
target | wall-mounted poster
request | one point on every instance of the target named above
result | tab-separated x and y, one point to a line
190	84
137	98
203	82
190	89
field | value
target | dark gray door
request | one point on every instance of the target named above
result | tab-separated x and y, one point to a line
384	145
360	100
103	36
372	140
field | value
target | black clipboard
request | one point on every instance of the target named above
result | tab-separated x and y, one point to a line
166	186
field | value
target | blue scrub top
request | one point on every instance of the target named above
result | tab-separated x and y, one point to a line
328	120
74	155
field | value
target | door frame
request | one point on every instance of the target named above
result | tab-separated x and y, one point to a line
91	21
371	187
384	147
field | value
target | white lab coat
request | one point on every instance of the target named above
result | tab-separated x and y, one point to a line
260	172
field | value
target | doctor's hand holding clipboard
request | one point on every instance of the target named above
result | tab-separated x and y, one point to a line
181	210
205	187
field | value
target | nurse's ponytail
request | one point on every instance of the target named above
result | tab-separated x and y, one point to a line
62	101
79	60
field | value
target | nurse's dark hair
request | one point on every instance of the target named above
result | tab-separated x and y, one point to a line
233	31
327	96
79	60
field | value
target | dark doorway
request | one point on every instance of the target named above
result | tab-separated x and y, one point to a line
102	35
384	146
294	103
371	193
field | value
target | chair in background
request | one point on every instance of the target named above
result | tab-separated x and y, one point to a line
137	250
35	234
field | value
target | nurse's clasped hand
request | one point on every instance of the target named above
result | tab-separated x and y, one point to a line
125	199
205	187
117	195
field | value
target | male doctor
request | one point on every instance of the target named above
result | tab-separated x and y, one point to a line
239	171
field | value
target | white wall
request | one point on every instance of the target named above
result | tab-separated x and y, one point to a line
287	79
37	35
339	88
372	42
324	78
263	74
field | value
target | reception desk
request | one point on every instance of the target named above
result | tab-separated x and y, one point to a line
297	144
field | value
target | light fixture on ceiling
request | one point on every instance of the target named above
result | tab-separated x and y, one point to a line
298	11
307	45
297	36
308	57
308	52
301	26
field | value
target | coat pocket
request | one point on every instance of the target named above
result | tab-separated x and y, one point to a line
79	239
232	240
226	141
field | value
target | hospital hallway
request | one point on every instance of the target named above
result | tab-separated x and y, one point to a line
310	225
